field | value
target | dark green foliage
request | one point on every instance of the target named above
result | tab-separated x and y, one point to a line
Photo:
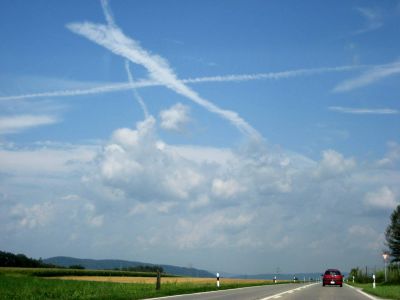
393	235
8	259
359	276
393	275
77	267
153	269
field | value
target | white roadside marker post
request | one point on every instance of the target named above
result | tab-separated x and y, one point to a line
217	280
373	284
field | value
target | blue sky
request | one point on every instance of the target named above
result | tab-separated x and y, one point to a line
226	135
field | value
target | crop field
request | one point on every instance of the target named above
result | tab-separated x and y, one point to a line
26	284
151	280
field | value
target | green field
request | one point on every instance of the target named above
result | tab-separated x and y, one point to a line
24	284
48	272
386	291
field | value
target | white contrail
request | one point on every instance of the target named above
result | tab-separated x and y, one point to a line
369	77
272	75
123	86
107	13
113	39
364	111
79	92
135	93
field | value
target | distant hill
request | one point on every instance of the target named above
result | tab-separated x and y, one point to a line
110	264
299	276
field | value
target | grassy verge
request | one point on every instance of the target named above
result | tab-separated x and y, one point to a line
386	291
23	286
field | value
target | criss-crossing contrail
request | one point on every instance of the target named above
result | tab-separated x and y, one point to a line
135	93
112	38
143	83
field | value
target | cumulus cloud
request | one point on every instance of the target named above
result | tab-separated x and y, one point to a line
384	198
175	118
392	157
334	163
226	188
210	231
135	162
33	216
158	195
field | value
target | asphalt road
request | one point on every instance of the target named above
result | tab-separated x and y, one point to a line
282	292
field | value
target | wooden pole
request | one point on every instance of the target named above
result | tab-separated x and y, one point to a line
158	284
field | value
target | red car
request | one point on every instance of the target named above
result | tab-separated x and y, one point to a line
332	277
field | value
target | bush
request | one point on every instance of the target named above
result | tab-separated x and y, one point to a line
393	275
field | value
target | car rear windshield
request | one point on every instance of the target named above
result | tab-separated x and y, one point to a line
332	272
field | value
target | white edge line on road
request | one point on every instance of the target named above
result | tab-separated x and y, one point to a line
210	292
364	293
276	296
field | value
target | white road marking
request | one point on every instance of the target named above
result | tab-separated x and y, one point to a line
276	296
200	293
361	292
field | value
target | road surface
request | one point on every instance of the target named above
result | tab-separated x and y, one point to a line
281	292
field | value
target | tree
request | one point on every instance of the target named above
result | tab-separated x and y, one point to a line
393	235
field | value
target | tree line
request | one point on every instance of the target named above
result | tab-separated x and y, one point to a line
8	259
392	237
145	268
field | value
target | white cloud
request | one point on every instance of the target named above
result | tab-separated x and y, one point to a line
334	163
33	216
15	124
373	19
96	221
384	198
144	83
201	201
364	111
138	193
371	76
392	156
226	188
210	231
361	230
46	160
135	93
149	197
112	38
175	118
202	154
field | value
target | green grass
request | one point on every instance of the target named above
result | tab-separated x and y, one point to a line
387	291
48	272
19	285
